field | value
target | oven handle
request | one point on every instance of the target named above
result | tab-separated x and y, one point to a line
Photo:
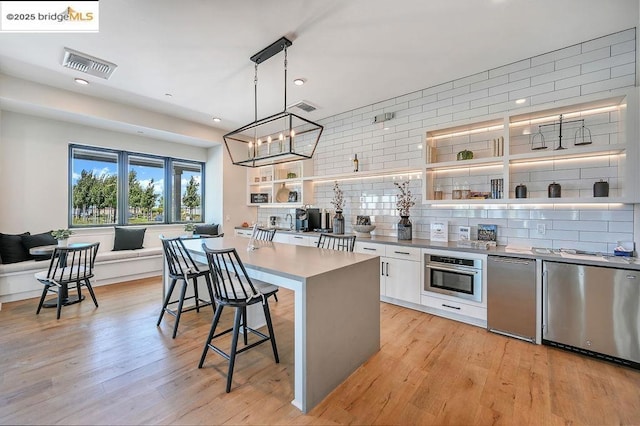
457	270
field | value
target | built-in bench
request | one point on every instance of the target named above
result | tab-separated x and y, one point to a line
17	281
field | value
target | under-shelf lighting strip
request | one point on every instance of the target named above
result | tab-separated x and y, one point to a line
410	174
566	115
586	158
529	206
467	132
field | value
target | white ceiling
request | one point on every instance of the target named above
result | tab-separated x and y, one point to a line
351	52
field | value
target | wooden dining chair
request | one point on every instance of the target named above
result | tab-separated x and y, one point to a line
233	288
182	267
68	265
337	242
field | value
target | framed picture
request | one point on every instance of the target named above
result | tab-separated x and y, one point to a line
464	233
488	233
440	231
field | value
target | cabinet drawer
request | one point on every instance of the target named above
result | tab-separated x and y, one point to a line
401	252
455	307
298	240
369	248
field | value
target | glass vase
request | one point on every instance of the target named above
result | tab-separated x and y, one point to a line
338	222
404	228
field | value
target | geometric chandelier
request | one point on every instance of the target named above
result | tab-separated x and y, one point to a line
279	138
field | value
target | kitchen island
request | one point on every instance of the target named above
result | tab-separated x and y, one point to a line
336	303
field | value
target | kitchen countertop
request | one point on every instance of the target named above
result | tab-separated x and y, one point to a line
529	253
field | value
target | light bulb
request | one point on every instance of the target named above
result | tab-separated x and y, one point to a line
281	137
269	139
293	133
259	141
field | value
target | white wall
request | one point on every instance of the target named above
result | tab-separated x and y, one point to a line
569	74
34	166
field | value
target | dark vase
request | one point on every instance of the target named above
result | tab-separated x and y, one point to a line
404	228
338	223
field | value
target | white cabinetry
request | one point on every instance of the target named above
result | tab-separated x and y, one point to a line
280	185
400	270
531	149
245	233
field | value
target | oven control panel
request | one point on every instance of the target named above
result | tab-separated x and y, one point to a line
452	260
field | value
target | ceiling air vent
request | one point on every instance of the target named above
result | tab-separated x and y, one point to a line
87	64
303	105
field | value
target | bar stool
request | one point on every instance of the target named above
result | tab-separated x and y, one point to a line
337	242
264	234
233	288
181	266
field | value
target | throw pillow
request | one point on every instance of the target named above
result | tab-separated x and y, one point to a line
12	250
38	240
128	238
207	229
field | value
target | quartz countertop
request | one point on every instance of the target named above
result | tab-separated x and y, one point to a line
524	252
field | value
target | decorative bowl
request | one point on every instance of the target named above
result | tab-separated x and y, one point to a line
363	231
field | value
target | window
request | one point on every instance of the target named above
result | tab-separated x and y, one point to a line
94	183
146	190
187	204
109	187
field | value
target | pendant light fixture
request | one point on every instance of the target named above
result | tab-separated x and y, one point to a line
279	138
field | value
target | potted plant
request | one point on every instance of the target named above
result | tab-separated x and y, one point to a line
190	228
405	200
62	235
338	203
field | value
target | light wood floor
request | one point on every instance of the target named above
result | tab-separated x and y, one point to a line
112	365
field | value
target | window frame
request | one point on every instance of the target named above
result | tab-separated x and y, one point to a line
123	186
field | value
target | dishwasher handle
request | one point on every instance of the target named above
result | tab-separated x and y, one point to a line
514	260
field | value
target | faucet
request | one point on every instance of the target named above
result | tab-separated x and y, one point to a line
290	220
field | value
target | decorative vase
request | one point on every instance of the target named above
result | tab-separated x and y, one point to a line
338	223
404	228
63	243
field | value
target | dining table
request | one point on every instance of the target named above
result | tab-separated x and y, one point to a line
336	307
49	250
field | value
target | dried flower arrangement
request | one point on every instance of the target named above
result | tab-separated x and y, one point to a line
338	197
405	200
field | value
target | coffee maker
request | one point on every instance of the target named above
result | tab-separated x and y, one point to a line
307	219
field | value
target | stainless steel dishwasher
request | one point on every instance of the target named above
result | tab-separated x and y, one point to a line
511	297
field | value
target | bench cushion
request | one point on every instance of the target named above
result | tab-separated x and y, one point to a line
11	248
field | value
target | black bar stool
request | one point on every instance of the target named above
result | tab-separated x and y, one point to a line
337	242
233	288
182	267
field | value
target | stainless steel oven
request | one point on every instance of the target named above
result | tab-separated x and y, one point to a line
453	276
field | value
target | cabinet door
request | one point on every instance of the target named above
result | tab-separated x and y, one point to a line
402	279
281	238
243	233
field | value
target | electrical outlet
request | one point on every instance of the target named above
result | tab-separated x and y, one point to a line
542	229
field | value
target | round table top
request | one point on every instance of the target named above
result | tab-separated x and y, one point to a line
48	250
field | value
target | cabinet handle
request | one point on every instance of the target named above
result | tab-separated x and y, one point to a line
368	248
452	307
402	252
382	269
545	301
298	237
387	269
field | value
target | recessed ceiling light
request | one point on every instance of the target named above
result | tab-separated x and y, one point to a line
217	119
521	101
299	81
81	81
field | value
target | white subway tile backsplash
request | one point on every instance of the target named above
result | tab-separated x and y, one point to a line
566	74
608	40
516	66
606	85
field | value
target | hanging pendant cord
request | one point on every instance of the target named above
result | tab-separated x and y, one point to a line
255	92
285	78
